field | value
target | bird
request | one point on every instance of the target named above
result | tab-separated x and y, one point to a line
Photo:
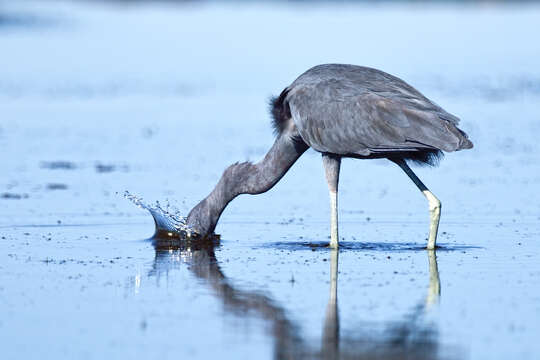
342	111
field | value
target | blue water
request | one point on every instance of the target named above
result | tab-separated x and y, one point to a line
157	99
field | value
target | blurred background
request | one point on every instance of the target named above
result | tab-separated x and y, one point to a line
158	97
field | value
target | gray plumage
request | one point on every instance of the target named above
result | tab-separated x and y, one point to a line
362	112
342	111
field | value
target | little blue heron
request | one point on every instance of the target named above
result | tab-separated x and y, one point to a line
342	111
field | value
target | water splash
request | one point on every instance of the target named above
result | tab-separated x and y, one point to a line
167	219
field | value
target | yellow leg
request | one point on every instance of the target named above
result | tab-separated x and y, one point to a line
334	236
435	216
332	165
434	204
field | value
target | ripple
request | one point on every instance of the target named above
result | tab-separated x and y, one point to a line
366	246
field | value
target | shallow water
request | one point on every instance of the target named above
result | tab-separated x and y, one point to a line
159	99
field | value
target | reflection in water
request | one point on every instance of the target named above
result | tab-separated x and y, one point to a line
411	338
330	337
434	290
201	259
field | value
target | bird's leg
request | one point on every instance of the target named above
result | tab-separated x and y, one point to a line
434	203
332	165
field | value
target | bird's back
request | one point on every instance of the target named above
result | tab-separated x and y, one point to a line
354	110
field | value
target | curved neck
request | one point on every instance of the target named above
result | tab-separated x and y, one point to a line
245	178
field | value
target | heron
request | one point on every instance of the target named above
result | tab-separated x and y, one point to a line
342	111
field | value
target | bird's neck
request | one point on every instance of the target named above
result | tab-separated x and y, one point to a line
245	178
204	217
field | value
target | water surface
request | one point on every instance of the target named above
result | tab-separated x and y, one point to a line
159	99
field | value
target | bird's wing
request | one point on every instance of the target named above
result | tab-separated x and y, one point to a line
338	118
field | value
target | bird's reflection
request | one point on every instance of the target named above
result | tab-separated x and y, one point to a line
434	290
202	262
330	337
412	338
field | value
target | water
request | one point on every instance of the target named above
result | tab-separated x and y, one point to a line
167	221
160	99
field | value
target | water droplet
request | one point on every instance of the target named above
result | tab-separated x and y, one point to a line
168	219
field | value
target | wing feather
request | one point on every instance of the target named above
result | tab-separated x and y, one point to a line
343	116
